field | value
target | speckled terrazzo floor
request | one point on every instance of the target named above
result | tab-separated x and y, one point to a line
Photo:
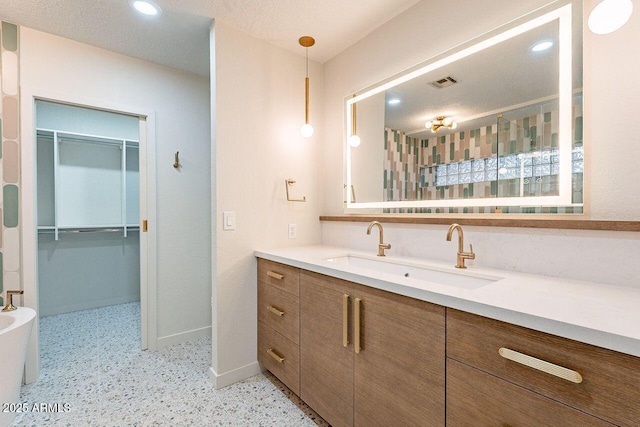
91	361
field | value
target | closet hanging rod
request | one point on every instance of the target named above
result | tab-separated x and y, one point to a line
89	230
92	141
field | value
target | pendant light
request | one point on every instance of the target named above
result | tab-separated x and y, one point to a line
610	15
354	139
306	129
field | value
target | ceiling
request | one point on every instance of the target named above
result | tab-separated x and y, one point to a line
179	38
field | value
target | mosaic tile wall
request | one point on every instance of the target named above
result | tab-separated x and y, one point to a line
9	158
406	177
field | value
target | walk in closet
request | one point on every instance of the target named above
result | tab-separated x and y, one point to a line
87	207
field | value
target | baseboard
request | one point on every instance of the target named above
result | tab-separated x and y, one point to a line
87	305
174	339
226	379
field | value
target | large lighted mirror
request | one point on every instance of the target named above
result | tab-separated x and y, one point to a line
493	126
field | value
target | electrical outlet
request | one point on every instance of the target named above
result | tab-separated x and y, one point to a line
293	231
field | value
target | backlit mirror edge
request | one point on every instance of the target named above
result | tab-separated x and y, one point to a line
531	20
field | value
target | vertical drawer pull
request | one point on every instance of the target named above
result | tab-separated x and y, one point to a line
275	355
356	326
275	310
275	275
541	365
345	320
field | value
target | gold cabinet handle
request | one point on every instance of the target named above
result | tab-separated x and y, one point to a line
275	275
275	311
356	325
275	355
541	365
345	320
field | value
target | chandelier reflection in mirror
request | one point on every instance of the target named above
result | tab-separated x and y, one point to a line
439	122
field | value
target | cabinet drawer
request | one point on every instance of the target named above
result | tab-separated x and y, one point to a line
283	276
280	356
475	398
610	380
279	310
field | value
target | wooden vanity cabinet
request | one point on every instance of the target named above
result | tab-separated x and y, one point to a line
326	366
475	398
360	356
279	321
400	369
394	377
609	387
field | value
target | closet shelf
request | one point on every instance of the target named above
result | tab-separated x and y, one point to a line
82	137
88	229
77	173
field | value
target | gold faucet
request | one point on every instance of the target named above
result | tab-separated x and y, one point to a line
381	245
462	255
10	306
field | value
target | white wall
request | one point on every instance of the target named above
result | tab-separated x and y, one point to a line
181	104
612	94
83	271
258	100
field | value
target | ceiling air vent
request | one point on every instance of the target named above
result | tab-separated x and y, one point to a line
443	82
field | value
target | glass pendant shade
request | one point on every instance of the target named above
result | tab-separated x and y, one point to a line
354	140
306	130
610	15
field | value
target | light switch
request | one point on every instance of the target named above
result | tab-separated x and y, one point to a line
228	220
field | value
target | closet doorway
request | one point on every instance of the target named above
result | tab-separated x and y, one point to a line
89	254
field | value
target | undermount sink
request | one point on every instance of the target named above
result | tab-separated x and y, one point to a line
398	268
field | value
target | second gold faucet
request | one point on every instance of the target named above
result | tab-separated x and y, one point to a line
381	246
462	255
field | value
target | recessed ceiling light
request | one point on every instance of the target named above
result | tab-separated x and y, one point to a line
610	15
539	47
146	7
394	101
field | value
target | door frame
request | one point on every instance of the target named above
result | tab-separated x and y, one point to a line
28	215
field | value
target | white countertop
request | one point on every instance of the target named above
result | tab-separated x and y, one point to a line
603	315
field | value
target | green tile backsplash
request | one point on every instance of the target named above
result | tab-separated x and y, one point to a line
413	157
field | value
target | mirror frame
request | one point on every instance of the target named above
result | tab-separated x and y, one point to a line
564	16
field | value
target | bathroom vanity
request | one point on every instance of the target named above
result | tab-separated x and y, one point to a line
408	342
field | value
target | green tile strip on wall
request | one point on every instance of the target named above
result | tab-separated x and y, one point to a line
10	201
578	131
9	36
9	42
